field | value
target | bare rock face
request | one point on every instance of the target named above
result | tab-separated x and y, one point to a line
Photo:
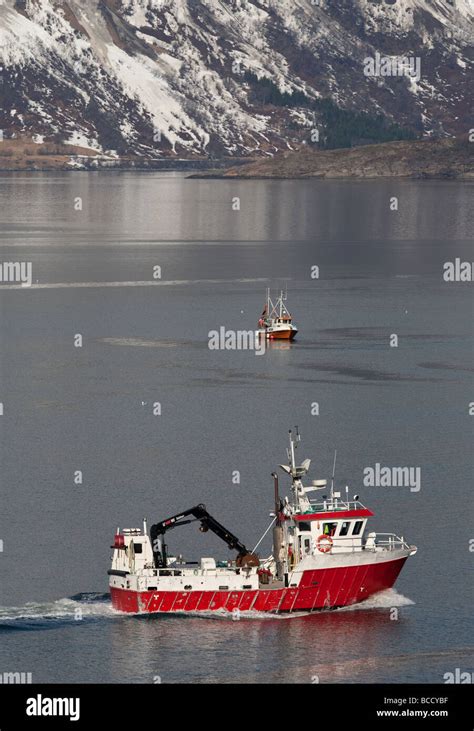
214	78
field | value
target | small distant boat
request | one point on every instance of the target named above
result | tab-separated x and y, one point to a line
276	322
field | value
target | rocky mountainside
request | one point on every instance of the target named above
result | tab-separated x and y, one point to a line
185	78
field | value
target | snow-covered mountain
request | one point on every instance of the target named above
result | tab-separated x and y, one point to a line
227	77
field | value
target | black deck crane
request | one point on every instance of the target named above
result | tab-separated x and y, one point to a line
199	513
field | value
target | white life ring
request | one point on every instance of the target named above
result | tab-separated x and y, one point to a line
326	546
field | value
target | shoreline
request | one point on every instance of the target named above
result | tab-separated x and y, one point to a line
467	177
445	159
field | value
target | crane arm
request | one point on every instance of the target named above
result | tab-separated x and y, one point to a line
199	512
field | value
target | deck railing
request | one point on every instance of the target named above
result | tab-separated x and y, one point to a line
192	570
392	542
336	504
384	541
377	542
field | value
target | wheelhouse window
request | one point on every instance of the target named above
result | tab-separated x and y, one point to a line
304	526
329	529
345	528
357	527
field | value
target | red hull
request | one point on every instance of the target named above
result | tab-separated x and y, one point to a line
320	589
282	335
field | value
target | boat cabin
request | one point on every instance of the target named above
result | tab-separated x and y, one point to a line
335	527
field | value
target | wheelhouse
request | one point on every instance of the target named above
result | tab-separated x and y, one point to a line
339	527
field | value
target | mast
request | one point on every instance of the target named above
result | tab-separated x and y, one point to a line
279	538
292	455
333	474
296	471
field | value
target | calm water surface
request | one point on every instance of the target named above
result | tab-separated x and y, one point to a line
91	409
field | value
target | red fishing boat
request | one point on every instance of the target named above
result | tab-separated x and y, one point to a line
323	557
276	322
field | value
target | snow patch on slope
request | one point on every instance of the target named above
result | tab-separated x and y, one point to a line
139	78
401	16
21	40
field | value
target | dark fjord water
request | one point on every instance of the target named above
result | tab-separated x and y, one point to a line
90	409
